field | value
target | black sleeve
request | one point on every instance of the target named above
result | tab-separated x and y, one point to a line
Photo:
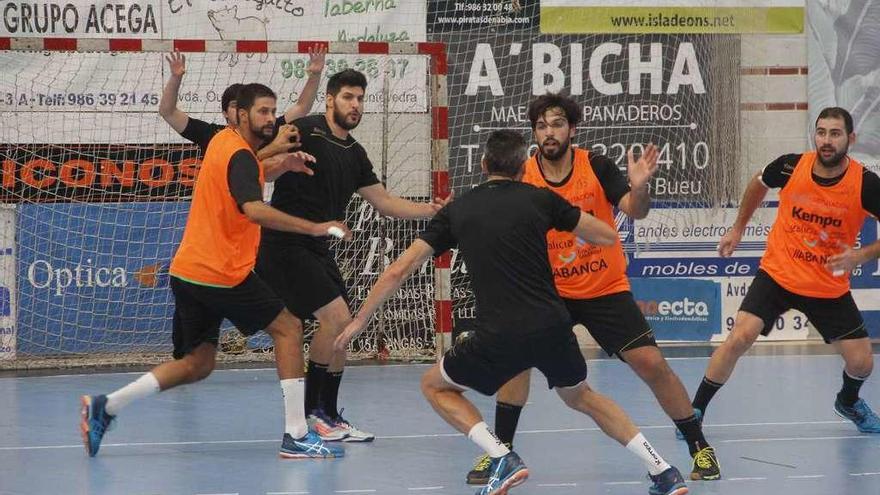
777	172
243	176
871	193
367	175
612	179
438	233
200	132
563	215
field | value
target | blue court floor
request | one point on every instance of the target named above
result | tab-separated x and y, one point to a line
772	426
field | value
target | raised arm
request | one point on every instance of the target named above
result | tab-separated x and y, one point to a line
303	105
391	279
175	117
752	198
637	201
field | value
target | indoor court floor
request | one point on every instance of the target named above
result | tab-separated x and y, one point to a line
772	426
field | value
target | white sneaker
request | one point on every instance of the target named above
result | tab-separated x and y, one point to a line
352	434
325	427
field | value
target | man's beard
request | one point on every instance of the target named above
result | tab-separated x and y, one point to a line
560	151
342	121
835	158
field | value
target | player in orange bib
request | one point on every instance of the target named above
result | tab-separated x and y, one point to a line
824	199
591	279
212	278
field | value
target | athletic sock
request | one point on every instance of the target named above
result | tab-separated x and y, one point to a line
144	386
481	436
330	393
692	430
293	391
849	393
643	449
314	384
707	390
506	419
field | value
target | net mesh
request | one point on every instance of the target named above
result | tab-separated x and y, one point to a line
98	189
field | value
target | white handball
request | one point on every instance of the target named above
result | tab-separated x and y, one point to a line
336	232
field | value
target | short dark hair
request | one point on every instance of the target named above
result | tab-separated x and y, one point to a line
539	106
231	93
506	151
837	113
347	77
249	93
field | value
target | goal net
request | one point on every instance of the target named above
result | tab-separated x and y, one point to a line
96	189
678	91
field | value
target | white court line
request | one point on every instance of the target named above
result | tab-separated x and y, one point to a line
622	483
793	439
445	435
864	474
806	476
742	479
287	493
236	493
355	491
556	484
413	365
424	488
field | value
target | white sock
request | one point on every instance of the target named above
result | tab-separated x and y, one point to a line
144	386
642	448
481	436
293	391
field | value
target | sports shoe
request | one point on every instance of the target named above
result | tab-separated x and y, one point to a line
479	475
94	421
699	414
310	446
668	482
352	434
706	466
325	427
860	414
506	473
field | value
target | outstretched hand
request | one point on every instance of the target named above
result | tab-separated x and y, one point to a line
177	63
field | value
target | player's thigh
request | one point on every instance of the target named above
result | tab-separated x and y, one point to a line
614	320
764	302
251	305
194	323
835	319
558	357
304	279
482	363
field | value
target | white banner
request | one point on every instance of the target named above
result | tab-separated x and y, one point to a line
286	20
7	282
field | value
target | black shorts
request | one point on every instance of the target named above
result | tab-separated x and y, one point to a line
199	309
835	318
484	362
305	278
614	320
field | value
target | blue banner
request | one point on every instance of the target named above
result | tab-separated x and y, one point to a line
94	277
684	310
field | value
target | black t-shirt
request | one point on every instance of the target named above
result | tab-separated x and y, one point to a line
200	132
243	177
501	228
341	168
614	182
777	173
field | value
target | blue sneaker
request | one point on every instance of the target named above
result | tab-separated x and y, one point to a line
669	482
309	446
699	415
860	414
506	473
94	421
